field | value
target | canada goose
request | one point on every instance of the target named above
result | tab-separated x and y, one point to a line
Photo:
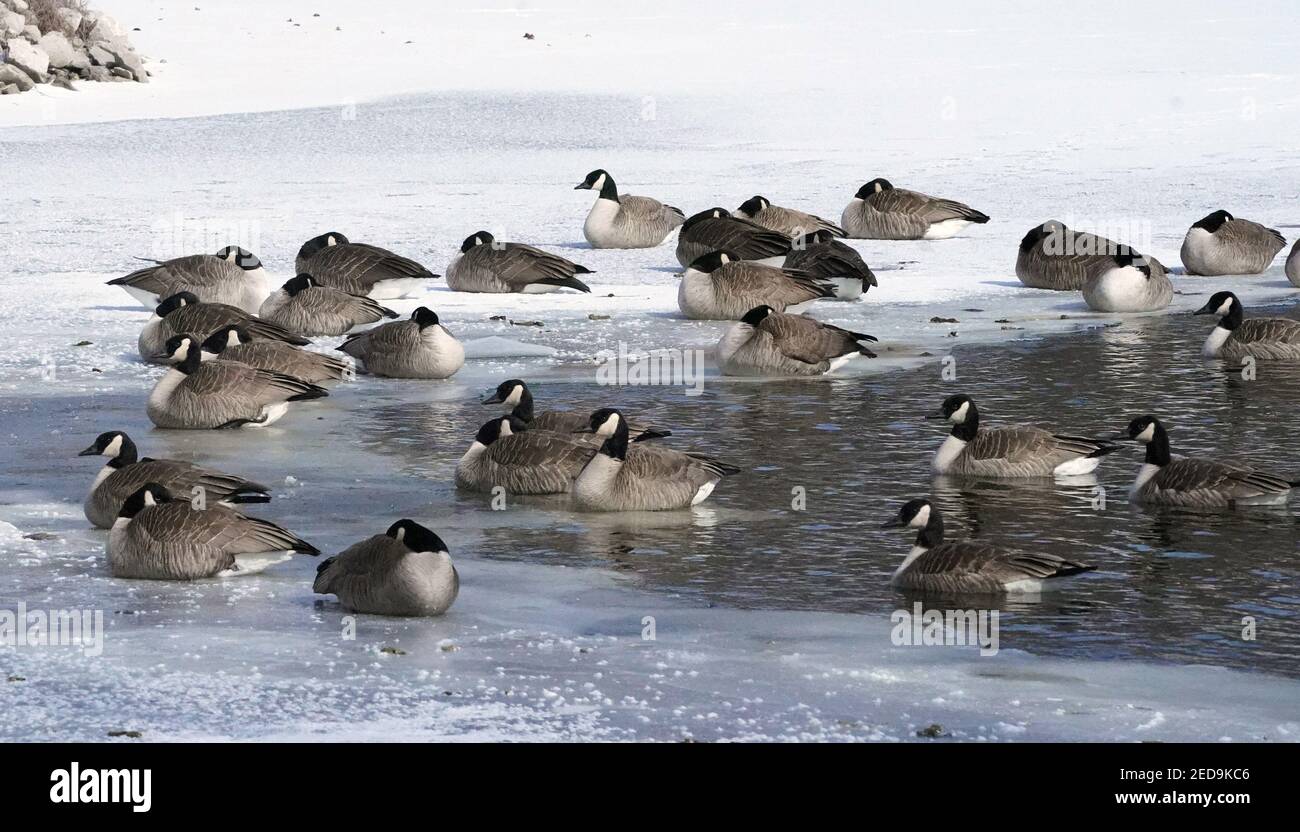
879	211
360	269
232	275
125	473
958	567
404	571
1269	339
518	399
645	477
484	265
159	538
717	230
233	343
1018	451
1165	480
1293	264
1132	283
505	453
721	287
625	221
197	395
1052	256
787	221
185	313
767	342
1222	244
417	348
304	306
822	257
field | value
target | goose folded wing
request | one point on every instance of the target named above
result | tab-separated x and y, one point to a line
807	340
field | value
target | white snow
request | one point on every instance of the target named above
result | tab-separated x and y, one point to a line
1134	120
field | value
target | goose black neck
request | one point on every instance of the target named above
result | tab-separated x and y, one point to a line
965	431
126	454
1158	447
932	534
616	445
1233	319
524	410
192	360
609	190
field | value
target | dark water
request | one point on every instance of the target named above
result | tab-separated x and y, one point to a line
1170	585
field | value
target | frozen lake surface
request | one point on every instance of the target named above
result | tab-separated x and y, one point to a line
769	623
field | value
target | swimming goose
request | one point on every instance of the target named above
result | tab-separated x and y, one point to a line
722	287
185	313
360	269
643	477
625	221
1052	256
125	473
196	395
956	567
824	258
156	537
1268	339
1222	244
505	453
404	571
1018	451
518	399
717	230
767	342
485	265
233	343
879	211
417	348
787	221
1293	264
232	275
304	306
1132	283
1166	480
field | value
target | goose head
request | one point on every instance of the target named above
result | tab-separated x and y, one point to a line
757	315
147	496
1226	306
115	445
295	285
1212	222
958	409
241	257
1128	258
715	213
920	515
323	241
1151	432
753	205
711	262
174	302
478	238
415	537
183	352
424	318
874	187
510	393
231	335
1039	233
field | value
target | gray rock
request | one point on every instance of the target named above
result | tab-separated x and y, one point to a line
19	6
128	58
9	89
30	59
13	76
31	33
11	23
98	73
64	82
56	46
106	28
122	72
100	56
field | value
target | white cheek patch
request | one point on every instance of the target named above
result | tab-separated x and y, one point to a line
401	533
148	499
921	519
515	395
113	448
505	429
725	259
959	415
1225	308
1148	434
330	241
599	183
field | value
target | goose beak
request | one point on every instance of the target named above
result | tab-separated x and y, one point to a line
581	186
1119	437
895	523
934	417
495	398
1204	310
91	451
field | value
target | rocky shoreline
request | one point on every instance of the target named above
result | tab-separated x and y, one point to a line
61	41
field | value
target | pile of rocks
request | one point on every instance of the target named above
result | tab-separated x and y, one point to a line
77	43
